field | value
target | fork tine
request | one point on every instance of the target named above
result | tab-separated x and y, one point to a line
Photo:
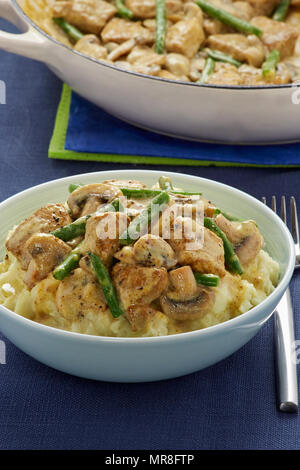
283	209
294	220
264	200
274	208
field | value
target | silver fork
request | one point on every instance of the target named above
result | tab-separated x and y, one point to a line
284	331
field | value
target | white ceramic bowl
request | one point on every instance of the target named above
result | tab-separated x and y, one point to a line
219	113
145	359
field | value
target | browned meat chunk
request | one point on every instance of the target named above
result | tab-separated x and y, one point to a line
213	26
102	234
263	7
88	198
44	220
120	30
78	295
277	35
242	10
138	285
240	47
187	35
206	259
245	237
151	250
177	64
88	15
293	17
43	252
147	8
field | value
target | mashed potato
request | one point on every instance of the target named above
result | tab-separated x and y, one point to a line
234	295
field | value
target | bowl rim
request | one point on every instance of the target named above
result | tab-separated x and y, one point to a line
233	322
149	77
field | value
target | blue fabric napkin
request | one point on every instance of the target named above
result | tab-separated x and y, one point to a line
84	131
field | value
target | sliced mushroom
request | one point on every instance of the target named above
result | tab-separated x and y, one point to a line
184	282
43	251
102	192
92	205
122	49
187	300
245	237
90	45
189	309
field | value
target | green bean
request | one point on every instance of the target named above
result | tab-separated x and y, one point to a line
221	57
74	186
69	264
113	206
140	193
123	11
211	280
269	65
160	26
281	11
147	193
77	228
186	193
116	204
228	216
141	222
106	285
232	262
73	230
165	183
209	67
69	29
226	18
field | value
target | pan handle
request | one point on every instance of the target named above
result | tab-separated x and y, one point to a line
30	43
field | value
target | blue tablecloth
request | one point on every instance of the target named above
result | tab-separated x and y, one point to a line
228	406
92	131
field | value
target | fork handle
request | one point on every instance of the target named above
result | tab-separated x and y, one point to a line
286	370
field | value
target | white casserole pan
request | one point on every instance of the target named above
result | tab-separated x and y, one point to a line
230	114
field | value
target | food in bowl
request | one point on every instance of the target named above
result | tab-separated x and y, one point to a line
121	259
251	42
